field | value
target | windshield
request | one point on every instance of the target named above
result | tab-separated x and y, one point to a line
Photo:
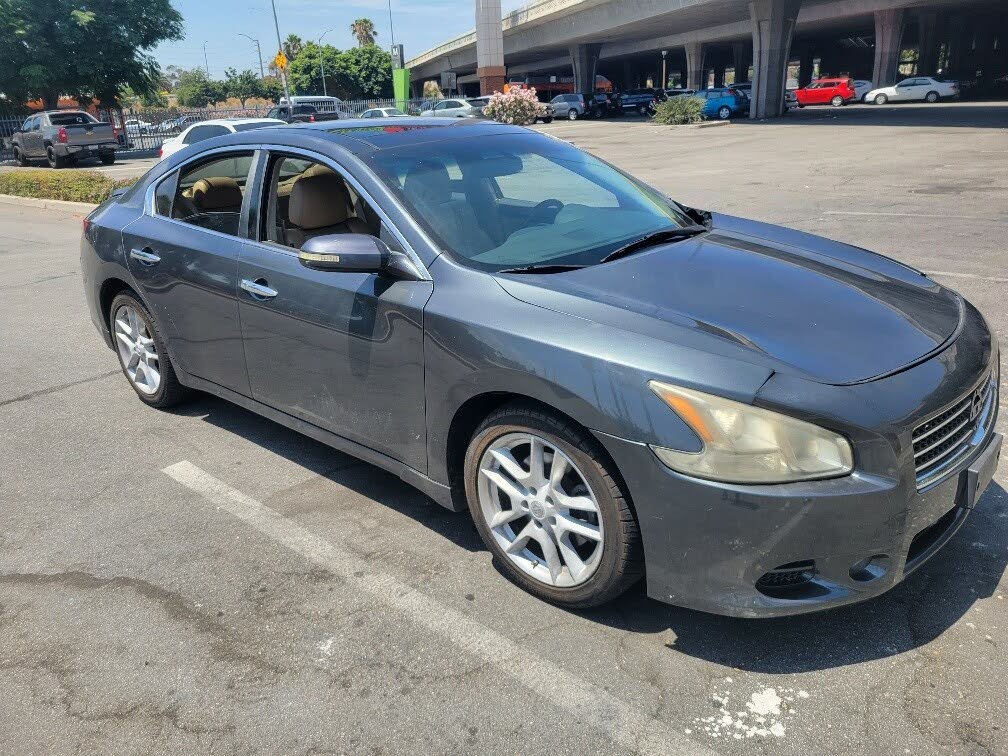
518	200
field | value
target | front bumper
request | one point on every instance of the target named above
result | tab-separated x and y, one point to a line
770	550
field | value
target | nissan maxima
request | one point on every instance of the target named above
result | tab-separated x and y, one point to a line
754	420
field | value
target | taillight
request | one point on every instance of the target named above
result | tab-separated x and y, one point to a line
85	226
160	152
311	119
61	136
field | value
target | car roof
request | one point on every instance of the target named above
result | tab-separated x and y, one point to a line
235	121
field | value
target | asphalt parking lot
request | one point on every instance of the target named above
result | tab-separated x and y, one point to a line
205	581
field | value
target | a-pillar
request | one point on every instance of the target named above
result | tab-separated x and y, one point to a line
773	23
585	61
888	36
490	47
742	57
695	66
927	43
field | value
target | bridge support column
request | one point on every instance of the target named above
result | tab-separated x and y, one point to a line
927	43
490	47
719	71
806	62
773	23
695	66
742	57
585	60
888	36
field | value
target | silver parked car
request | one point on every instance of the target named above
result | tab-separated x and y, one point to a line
457	108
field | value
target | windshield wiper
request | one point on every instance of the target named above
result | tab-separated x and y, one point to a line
542	269
658	237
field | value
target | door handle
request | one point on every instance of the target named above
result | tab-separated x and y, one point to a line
258	288
145	256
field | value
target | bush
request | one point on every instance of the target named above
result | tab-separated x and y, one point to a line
70	185
679	110
518	107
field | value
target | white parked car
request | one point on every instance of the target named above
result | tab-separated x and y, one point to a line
861	88
136	126
917	88
382	113
208	129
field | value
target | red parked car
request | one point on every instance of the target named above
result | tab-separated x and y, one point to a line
836	92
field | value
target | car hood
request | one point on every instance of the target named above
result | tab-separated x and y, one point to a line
786	299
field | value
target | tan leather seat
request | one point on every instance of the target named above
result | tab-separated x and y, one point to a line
319	205
217	194
428	188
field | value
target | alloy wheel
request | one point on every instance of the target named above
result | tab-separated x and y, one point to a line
540	509
932	97
724	113
881	99
137	350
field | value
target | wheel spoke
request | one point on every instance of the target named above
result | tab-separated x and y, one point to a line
579	527
509	464
152	375
134	327
127	342
557	470
518	544
505	516
509	487
134	362
537	461
581	503
549	547
575	565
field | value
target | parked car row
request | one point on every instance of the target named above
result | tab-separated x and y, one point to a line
844	90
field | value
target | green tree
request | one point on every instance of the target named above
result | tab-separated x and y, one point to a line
242	85
194	90
368	70
292	46
364	31
91	48
305	72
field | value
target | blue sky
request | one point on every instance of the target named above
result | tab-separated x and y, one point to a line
419	25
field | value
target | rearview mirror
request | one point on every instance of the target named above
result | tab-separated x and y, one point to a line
346	253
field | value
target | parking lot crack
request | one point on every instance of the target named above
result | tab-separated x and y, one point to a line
56	389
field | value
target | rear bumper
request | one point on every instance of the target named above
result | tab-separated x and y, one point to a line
74	150
718	548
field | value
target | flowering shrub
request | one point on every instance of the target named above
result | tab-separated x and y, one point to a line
518	106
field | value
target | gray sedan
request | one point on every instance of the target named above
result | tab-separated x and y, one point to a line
755	420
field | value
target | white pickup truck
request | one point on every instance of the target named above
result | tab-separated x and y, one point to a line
62	137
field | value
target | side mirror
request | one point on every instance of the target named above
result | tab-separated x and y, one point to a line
345	253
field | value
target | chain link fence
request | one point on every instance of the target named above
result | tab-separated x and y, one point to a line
142	131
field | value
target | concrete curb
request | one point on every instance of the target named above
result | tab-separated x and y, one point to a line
47	204
710	124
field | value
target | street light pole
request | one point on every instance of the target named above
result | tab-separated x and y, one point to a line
390	27
283	72
206	63
325	92
262	71
664	74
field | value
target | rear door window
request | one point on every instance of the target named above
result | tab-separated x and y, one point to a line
199	133
210	193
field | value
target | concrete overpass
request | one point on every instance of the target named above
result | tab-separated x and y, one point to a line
702	38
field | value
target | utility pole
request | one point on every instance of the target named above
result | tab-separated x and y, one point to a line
206	64
283	71
262	71
325	92
390	27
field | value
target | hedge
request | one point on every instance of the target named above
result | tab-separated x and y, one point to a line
679	110
70	185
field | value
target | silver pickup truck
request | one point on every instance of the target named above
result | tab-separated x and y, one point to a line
62	137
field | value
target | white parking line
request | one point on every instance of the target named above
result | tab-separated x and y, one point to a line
951	274
908	214
623	723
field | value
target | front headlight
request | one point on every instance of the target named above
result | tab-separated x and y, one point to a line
744	444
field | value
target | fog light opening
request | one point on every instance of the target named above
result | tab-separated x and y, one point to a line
870	568
795	581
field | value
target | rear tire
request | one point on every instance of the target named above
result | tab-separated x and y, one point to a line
931	97
724	113
881	99
572	114
588	578
55	161
168	391
107	158
547	120
837	101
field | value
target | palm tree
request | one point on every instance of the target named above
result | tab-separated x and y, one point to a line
363	29
292	46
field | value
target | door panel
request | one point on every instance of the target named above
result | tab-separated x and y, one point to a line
191	289
343	351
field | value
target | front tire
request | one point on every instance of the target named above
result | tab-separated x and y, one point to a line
55	161
142	354
546	501
881	99
724	113
547	120
931	97
19	157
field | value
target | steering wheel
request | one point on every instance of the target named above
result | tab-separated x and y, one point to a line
544	213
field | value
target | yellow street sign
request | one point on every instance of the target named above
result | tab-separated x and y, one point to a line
280	61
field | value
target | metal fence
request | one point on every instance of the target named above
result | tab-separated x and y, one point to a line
143	130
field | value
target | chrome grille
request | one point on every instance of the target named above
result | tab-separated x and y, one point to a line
944	439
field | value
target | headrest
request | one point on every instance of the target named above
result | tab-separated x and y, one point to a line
428	182
319	200
216	193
